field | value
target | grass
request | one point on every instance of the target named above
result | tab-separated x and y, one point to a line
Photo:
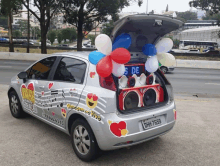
37	51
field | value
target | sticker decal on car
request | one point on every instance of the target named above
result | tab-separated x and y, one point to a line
50	85
91	100
28	97
91	113
118	129
92	74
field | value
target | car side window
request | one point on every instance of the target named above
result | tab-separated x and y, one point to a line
71	70
41	70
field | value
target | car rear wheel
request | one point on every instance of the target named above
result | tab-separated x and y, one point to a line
164	69
15	105
83	141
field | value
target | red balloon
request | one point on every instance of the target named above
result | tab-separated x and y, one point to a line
121	55
104	66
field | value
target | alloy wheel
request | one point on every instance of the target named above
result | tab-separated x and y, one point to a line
81	139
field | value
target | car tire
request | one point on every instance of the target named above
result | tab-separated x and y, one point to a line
164	69
15	105
83	141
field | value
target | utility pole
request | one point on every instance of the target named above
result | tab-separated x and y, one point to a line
147	8
28	35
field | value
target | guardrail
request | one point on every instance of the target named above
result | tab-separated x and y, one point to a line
48	47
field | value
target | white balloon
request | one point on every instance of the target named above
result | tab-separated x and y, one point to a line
152	64
164	45
166	59
118	69
104	44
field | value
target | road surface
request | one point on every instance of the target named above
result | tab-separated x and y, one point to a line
185	81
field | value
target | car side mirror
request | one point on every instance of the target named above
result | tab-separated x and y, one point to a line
23	75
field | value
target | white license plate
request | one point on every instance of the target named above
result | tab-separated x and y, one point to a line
151	123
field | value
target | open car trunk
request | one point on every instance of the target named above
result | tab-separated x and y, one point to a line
156	91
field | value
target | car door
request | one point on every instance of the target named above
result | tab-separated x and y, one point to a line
32	91
65	87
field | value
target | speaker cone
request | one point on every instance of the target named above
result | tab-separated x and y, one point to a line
131	82
131	100
149	97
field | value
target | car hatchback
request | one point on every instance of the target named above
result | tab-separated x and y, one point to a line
65	91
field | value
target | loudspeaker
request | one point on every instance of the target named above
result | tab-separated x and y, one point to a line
135	97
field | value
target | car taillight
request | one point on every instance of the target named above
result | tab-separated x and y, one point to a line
107	83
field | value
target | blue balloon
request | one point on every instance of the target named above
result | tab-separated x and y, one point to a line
149	49
122	41
95	57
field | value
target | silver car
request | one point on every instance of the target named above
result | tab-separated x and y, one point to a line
65	91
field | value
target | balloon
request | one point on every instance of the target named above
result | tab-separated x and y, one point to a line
124	41
104	67
149	49
118	69
95	57
152	64
164	45
104	44
166	59
121	56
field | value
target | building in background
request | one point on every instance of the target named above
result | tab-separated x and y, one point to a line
201	34
191	24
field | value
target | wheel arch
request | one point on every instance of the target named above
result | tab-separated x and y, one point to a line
10	90
72	119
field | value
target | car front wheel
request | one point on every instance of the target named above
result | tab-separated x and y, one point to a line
15	105
83	141
164	69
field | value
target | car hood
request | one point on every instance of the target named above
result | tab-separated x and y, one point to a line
145	29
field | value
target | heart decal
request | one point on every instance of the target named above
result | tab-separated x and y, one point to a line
42	93
50	85
53	113
118	129
92	74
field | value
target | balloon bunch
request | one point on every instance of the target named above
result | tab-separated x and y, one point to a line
110	58
159	53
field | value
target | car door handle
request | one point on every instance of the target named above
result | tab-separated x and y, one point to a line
41	87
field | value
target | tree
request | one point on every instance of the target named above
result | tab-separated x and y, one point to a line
184	16
47	9
107	28
167	8
8	8
92	38
23	26
209	16
4	22
84	13
17	33
51	36
73	34
35	32
59	37
65	34
213	6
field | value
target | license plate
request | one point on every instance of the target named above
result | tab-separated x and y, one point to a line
151	123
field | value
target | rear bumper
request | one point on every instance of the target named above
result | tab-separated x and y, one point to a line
136	133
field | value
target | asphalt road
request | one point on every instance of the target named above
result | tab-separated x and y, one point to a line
193	141
185	81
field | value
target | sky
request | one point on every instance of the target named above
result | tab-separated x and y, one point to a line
159	5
